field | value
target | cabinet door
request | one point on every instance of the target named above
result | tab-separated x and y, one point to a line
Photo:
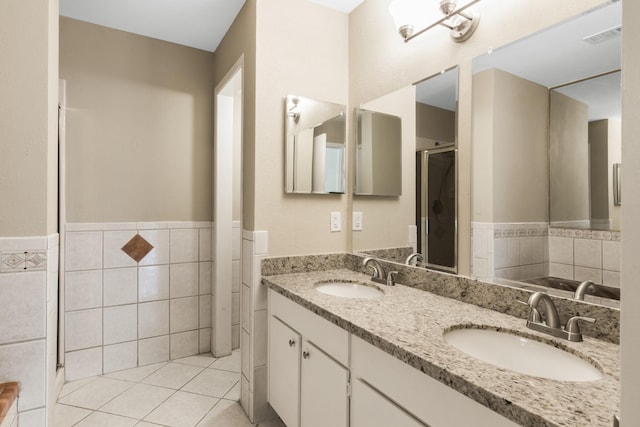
371	409
284	371
324	400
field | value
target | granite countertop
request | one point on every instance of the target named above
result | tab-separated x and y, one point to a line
410	325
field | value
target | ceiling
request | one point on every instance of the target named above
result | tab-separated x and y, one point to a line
553	57
196	23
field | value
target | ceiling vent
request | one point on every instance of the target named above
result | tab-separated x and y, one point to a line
604	35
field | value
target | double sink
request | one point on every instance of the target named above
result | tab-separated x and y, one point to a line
506	349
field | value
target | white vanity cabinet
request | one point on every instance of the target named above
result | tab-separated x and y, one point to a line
284	371
369	408
408	397
308	378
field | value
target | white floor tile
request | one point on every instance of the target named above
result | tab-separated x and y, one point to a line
122	402
213	382
193	407
72	386
138	401
173	375
136	374
96	393
67	416
228	363
100	419
202	360
226	413
234	393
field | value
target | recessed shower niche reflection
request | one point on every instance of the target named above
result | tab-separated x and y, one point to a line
315	133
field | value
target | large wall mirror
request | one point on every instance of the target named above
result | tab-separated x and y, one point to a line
315	149
546	145
423	219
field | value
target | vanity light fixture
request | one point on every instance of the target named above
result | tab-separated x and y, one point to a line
461	21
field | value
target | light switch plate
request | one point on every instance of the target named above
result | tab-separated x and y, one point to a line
336	221
357	221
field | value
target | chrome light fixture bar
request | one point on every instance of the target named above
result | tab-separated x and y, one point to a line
461	21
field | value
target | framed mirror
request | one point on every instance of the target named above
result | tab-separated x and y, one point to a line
315	146
543	214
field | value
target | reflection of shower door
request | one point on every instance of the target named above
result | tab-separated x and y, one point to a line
438	234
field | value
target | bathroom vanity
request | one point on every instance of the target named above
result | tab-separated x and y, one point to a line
385	361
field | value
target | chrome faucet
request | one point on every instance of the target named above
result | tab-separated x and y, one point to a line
377	270
584	288
551	324
378	274
552	318
418	257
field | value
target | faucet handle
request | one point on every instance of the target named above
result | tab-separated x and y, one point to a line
572	324
391	277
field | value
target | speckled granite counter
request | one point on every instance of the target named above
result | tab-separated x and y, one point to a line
410	324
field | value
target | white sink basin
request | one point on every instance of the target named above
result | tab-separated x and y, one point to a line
346	289
522	355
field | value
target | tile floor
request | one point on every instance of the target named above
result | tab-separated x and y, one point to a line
193	391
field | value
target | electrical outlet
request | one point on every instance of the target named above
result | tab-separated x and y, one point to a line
357	221
336	221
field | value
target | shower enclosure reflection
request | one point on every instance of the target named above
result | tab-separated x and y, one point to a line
436	170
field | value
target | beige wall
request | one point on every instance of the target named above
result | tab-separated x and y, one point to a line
380	62
520	150
386	219
301	50
239	44
568	159
598	169
28	118
482	147
510	149
435	124
630	315
139	126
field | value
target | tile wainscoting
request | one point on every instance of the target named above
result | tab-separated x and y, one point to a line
518	251
585	254
28	322
138	293
512	251
253	346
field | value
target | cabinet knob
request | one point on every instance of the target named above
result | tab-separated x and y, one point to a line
292	343
305	354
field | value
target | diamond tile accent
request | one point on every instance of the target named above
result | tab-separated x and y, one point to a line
137	248
36	260
13	261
